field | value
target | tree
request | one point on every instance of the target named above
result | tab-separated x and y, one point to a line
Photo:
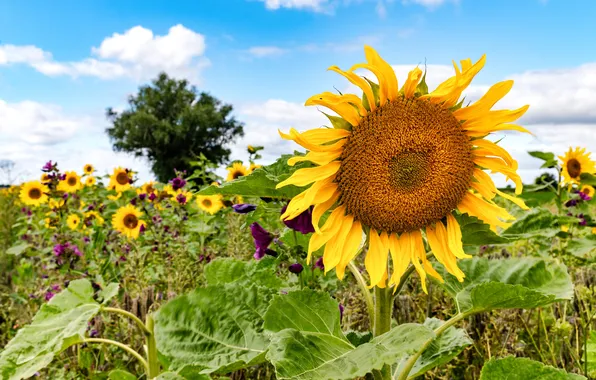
545	179
170	123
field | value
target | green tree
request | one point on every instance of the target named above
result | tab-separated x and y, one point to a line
171	124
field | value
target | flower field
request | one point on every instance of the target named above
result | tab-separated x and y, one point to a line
384	252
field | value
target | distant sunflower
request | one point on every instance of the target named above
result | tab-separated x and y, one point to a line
588	190
88	169
120	179
73	221
127	221
401	162
90	181
34	193
45	178
574	163
94	216
56	203
252	167
148	188
210	203
237	170
71	183
51	222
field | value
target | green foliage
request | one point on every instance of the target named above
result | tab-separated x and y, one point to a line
307	343
170	123
583	247
523	369
550	161
214	329
507	283
475	232
228	270
17	249
58	325
590	354
262	181
120	374
537	223
588	179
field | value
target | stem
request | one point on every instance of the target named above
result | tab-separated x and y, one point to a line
367	296
383	309
532	338
122	346
129	315
440	330
153	367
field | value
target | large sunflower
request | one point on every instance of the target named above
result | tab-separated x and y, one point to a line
127	221
34	193
574	163
120	180
210	203
399	164
237	170
71	183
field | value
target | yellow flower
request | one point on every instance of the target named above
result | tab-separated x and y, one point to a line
147	188
71	183
114	197
236	170
93	216
34	193
88	169
90	181
127	221
45	178
400	162
210	203
73	221
588	190
574	163
51	221
594	230
565	228
253	166
56	203
120	180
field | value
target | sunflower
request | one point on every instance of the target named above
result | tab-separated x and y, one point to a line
252	167
588	190
56	203
51	221
574	163
210	203
114	197
147	188
127	221
73	221
34	193
91	216
90	181
71	183
400	163
45	178
237	170
88	169
120	180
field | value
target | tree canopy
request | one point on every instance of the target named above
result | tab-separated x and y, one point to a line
170	123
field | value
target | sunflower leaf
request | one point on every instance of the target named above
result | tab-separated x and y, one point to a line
507	284
512	368
590	354
35	345
588	179
475	232
549	158
538	223
338	122
422	88
228	271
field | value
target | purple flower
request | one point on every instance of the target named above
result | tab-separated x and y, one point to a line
259	254
152	197
56	287
244	208
582	222
341	311
181	198
302	223
93	333
142	228
584	196
65	196
319	264
49	295
86	239
62	177
571	203
262	239
156	219
58	250
296	268
177	183
48	166
76	251
142	196
133	201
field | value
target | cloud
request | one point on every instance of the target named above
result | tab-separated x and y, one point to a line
430	4
137	53
312	5
265	51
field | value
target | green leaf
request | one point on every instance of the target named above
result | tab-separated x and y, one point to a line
358	338
338	122
224	270
307	342
538	223
475	232
507	283
588	179
422	87
17	249
512	368
305	310
262	181
537	198
550	161
213	329
590	354
120	374
109	292
58	325
176	376
444	348
583	247
228	270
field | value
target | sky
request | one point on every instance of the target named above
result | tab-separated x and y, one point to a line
63	63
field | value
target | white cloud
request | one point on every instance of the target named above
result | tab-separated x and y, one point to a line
137	53
266	51
313	5
431	4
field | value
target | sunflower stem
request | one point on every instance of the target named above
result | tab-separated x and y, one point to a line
383	311
365	292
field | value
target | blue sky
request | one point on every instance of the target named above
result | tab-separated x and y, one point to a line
62	63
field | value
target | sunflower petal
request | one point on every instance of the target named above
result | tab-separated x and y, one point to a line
319	192
334	247
496	165
419	250
319	158
303	177
454	238
375	261
390	81
339	105
321	208
330	229
380	78
485	103
351	248
438	243
489	148
485	211
399	247
358	81
409	87
313	144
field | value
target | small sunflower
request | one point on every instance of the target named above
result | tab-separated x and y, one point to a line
120	179
90	181
574	163
34	193
588	190
73	221
51	222
56	203
127	221
93	216
45	178
252	167
400	163
210	203
148	188
88	169
114	197
236	170
71	183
